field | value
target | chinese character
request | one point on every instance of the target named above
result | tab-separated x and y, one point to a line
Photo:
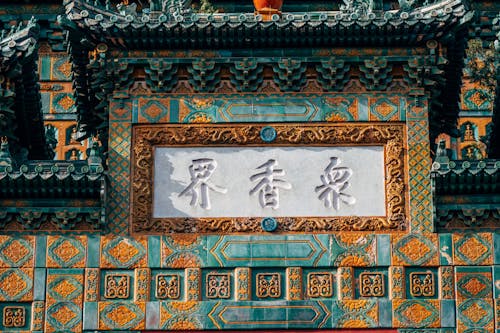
200	171
268	184
335	181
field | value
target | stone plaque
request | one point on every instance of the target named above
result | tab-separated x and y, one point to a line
269	181
227	178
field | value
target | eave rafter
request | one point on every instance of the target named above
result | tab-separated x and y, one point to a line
127	28
21	120
96	26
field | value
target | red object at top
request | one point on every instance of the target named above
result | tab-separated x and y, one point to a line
267	4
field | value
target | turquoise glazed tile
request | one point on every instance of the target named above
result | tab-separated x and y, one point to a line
354	249
308	314
320	283
385	313
229	251
268	250
371	283
16	284
117	285
473	282
183	251
63	316
93	251
254	315
268	284
90	316
40	251
17	251
154	249
66	252
422	282
363	312
204	314
445	249
497	312
152	315
496	281
475	313
217	284
13	314
448	308
346	285
473	249
44	67
171	314
383	250
39	284
38	310
307	250
167	285
416	313
122	315
496	238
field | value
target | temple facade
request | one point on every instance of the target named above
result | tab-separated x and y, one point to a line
177	165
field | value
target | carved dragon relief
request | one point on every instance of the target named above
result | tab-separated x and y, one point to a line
146	137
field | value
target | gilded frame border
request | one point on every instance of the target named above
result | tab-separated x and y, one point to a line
146	137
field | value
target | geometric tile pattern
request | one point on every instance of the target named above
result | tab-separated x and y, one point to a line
119	164
17	251
384	109
475	313
357	314
54	297
15	317
348	251
66	252
142	284
122	315
65	316
16	284
415	250
91	284
64	300
473	249
419	166
181	250
180	315
38	316
416	313
447	285
61	69
117	252
63	103
474	285
153	111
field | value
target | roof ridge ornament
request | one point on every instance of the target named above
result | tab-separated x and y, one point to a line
174	7
5	156
360	7
406	5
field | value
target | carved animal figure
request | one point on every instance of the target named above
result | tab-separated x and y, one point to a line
406	4
361	7
169	6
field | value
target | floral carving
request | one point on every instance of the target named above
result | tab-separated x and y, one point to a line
146	137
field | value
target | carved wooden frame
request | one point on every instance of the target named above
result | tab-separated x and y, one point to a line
146	137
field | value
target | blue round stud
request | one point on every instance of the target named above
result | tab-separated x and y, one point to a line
268	134
269	224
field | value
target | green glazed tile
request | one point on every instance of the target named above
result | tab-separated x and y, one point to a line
90	317
152	315
40	251
445	249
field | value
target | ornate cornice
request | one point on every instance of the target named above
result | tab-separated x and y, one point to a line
406	26
146	137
